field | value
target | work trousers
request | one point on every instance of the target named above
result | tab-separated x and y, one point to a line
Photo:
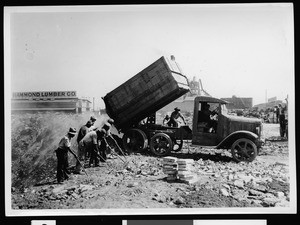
102	151
62	165
81	156
282	124
93	156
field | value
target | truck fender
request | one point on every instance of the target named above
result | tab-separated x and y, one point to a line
228	141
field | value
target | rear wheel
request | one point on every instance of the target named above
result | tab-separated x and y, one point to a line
244	149
161	144
135	140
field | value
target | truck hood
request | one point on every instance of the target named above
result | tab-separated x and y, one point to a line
243	119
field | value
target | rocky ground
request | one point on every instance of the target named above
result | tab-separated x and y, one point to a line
141	183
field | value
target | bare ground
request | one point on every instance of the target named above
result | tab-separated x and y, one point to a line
141	183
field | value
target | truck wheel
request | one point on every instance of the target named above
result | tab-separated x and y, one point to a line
161	144
243	149
177	145
135	140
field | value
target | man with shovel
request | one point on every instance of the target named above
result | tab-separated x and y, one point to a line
62	155
90	143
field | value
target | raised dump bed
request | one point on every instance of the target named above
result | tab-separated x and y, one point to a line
145	93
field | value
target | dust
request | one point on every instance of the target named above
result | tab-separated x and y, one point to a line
35	136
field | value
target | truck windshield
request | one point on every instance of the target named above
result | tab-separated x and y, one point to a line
224	109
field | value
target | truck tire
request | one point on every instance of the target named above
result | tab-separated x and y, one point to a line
161	144
135	140
244	149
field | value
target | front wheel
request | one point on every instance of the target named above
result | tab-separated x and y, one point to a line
161	144
244	149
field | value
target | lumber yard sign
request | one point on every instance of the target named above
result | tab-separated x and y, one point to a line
44	94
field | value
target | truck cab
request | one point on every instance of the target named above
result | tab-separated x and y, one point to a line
212	126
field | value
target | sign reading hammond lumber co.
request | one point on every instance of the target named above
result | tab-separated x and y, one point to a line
44	94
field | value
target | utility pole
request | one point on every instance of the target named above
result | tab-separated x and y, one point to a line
93	104
266	98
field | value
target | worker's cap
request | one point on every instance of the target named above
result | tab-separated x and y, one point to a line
111	121
89	123
72	131
93	119
177	109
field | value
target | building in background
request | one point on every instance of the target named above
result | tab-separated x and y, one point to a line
238	103
83	105
43	101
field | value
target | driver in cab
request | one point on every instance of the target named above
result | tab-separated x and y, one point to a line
209	117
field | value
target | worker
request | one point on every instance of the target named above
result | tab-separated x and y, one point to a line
282	121
173	118
104	150
95	152
93	120
103	146
166	119
84	130
89	143
276	112
62	155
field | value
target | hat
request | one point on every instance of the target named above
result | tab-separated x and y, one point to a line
176	109
93	119
111	121
72	131
90	123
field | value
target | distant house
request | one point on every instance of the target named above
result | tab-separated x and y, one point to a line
42	101
83	105
238	103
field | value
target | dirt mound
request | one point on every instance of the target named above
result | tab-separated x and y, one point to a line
35	136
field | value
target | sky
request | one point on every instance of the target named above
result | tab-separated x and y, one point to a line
246	50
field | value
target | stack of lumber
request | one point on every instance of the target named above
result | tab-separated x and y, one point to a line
170	167
185	173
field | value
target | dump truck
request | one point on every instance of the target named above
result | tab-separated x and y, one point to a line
133	106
